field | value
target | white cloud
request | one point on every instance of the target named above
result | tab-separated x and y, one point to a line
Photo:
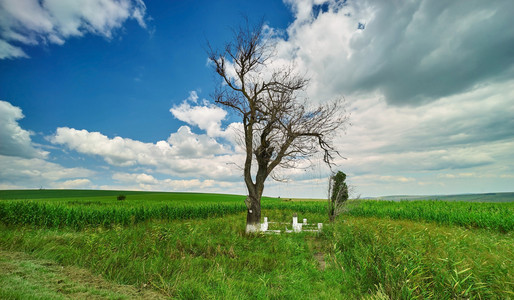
9	51
143	181
411	52
17	172
15	141
460	131
205	116
120	151
188	144
116	151
32	22
81	183
135	178
467	133
185	154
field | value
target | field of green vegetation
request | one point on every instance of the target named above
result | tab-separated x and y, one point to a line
87	244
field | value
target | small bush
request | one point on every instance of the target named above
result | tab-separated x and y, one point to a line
121	197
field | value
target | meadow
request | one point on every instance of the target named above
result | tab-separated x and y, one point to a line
88	244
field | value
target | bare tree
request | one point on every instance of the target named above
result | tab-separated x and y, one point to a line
279	128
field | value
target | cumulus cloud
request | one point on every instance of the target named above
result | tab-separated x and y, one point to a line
473	118
465	133
32	22
212	155
143	181
407	147
188	144
184	154
14	140
116	151
411	52
17	172
205	115
81	183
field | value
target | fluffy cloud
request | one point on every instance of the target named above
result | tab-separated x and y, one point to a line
81	183
17	172
143	181
32	22
185	154
205	116
116	151
411	52
468	133
24	166
188	144
15	141
429	86
460	131
124	152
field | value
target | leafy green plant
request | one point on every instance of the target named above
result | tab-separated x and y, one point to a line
338	195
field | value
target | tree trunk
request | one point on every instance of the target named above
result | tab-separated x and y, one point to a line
253	214
253	201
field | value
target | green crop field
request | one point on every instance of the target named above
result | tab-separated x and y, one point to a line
62	244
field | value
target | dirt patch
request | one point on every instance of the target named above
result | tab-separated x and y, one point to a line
320	258
63	281
316	248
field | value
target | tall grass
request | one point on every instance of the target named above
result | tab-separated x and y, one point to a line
354	258
403	259
58	215
190	246
87	208
80	209
496	216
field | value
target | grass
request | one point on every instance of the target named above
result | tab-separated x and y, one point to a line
406	259
378	250
495	216
79	209
212	258
25	277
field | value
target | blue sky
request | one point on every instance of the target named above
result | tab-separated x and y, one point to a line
116	94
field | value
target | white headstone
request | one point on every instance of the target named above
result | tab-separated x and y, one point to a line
264	226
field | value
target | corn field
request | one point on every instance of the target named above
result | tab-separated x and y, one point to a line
88	210
496	216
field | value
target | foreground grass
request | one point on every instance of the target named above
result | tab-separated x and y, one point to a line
354	258
25	277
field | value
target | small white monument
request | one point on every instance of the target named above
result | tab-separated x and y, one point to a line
264	226
297	227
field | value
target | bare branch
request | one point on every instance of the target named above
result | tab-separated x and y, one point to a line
280	129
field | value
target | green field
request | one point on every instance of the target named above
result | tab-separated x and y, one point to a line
61	244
